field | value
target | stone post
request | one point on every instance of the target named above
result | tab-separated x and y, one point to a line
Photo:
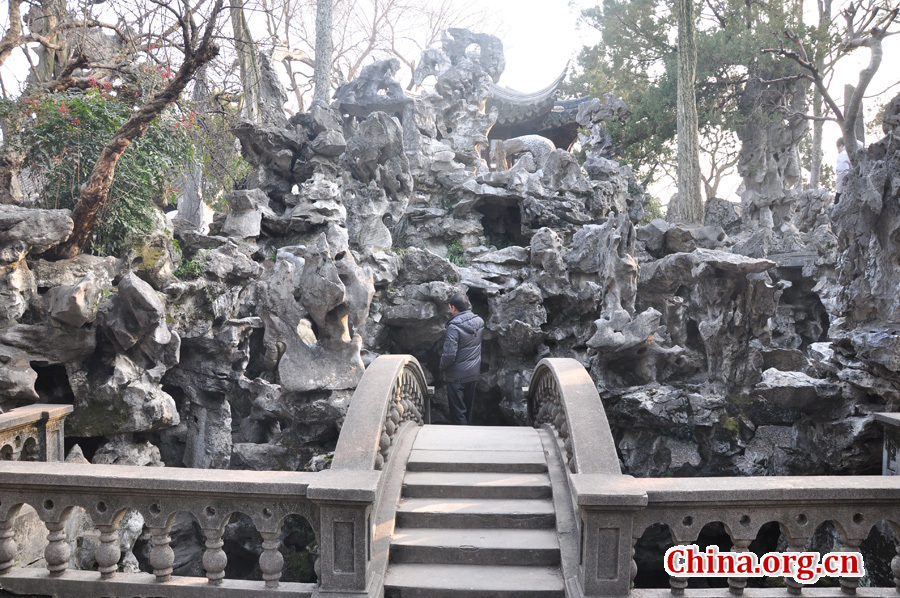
346	501
890	423
606	507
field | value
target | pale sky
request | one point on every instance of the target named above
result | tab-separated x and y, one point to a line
539	38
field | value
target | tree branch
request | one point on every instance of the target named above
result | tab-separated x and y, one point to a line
94	192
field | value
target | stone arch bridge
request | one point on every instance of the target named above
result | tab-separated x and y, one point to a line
413	510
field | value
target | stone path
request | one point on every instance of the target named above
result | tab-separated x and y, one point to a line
476	518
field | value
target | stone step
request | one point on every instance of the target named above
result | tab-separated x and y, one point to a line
531	547
477	513
478	438
477	461
410	580
424	484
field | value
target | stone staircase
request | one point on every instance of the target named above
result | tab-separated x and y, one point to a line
476	517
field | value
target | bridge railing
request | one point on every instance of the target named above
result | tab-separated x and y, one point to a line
614	510
106	492
391	398
338	504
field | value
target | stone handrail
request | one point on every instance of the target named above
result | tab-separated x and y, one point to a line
563	396
106	492
614	510
392	391
33	433
621	505
338	503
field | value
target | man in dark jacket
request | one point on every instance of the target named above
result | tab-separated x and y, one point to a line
461	359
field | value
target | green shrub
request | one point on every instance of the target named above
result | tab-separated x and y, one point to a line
61	135
192	268
456	254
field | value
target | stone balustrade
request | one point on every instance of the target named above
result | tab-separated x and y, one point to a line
33	433
613	506
351	507
106	492
340	504
613	511
390	402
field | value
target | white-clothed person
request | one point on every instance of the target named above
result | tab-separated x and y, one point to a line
843	167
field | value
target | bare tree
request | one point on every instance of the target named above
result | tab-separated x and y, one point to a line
723	151
248	59
867	24
819	56
198	49
362	30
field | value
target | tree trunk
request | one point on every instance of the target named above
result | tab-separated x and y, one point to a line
690	201
322	76
95	190
853	120
859	129
815	169
190	204
44	19
248	59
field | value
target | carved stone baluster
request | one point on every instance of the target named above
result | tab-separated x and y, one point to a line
736	585
634	567
271	561
8	548
108	553
849	584
58	550
214	558
678	584
794	587
895	566
162	557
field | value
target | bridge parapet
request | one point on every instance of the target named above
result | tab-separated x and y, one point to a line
563	396
798	504
614	510
390	399
392	391
338	504
106	492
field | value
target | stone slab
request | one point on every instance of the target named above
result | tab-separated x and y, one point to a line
472	581
532	547
483	461
87	584
888	418
476	485
483	513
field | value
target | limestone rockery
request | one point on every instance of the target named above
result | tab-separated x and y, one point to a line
760	343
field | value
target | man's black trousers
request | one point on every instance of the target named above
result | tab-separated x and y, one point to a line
461	398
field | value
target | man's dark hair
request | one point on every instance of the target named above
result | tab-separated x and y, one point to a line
840	142
460	302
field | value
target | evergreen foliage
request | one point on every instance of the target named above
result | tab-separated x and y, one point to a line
60	135
636	59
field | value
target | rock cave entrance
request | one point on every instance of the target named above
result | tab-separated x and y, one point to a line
502	223
52	384
88	445
801	318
